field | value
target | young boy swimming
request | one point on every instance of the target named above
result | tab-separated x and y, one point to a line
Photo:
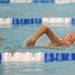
55	41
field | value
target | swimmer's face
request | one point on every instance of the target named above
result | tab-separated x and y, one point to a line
70	38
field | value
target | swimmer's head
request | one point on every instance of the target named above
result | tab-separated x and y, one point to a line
69	38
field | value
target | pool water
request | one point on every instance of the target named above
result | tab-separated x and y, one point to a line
14	39
14	43
54	68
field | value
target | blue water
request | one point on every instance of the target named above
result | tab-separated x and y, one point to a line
56	68
15	37
35	10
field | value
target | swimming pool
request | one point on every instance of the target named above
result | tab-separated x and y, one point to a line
14	39
13	43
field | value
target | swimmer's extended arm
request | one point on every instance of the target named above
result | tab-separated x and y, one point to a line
44	30
53	38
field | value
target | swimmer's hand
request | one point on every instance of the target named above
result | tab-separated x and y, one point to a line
30	43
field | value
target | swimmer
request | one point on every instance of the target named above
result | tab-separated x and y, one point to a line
55	41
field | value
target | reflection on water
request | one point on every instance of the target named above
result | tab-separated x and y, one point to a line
52	68
37	48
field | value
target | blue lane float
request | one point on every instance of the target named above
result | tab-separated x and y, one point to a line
73	21
24	21
43	1
37	1
51	1
4	1
15	22
73	56
0	57
50	57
